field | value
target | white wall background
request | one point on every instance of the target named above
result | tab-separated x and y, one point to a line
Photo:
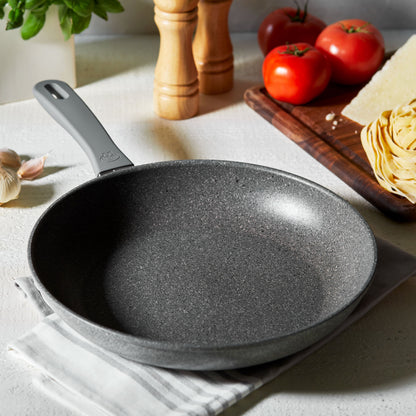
246	15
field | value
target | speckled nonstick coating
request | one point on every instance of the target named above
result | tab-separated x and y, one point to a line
202	264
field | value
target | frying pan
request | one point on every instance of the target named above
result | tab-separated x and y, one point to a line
195	264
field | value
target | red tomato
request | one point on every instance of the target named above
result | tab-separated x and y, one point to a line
296	73
288	25
355	49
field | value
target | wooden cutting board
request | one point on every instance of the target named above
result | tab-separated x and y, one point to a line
338	148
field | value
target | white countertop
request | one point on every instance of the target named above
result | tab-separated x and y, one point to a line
368	370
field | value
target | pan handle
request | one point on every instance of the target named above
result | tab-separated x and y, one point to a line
68	109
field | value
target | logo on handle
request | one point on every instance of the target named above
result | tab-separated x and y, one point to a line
109	156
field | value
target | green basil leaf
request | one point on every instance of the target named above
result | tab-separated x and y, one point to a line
14	4
15	19
41	9
33	24
65	21
2	5
100	11
33	4
62	13
111	6
83	8
79	23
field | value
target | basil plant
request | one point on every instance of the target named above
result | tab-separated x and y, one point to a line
74	15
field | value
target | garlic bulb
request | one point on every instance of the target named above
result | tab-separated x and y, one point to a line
9	185
32	168
10	158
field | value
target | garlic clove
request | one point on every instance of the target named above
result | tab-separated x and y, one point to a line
31	169
9	158
9	185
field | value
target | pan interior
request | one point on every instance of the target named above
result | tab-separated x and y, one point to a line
202	254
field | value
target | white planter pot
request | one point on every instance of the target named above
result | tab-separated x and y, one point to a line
25	62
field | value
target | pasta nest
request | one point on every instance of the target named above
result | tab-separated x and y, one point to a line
390	145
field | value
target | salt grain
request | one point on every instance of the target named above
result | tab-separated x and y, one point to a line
330	116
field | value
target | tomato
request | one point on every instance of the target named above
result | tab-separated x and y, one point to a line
288	25
355	49
296	73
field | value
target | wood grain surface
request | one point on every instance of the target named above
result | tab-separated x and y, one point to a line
176	86
338	147
212	47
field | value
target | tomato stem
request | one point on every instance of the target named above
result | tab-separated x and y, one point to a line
299	16
294	50
355	29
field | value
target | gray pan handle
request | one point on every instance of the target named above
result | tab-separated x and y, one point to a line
68	109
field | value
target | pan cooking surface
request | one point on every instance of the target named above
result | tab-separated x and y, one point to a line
204	254
221	287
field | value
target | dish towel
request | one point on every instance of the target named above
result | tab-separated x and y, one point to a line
94	381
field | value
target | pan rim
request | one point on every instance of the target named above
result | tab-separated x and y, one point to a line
170	346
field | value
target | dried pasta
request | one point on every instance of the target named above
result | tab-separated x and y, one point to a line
390	145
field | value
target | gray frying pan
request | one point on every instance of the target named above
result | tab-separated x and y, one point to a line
195	264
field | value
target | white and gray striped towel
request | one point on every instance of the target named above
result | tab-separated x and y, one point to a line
96	382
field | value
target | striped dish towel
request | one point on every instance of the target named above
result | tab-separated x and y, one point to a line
93	381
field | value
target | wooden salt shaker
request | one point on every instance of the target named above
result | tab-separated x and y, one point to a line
212	47
176	92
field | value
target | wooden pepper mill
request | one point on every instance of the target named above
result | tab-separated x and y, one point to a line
212	47
176	92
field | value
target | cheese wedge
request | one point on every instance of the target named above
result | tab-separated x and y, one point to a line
393	85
